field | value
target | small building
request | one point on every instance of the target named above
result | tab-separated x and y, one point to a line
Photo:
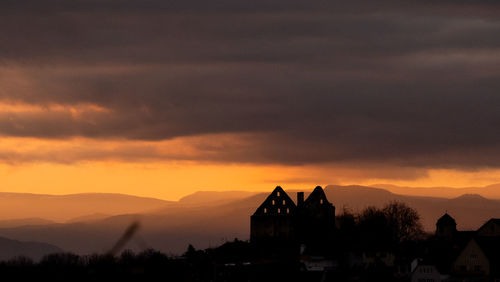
379	258
472	261
425	272
317	263
479	260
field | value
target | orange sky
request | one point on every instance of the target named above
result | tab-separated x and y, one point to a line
171	180
170	169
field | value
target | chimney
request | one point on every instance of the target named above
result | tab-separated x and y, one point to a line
300	198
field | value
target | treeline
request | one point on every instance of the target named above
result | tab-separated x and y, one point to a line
149	265
394	228
378	229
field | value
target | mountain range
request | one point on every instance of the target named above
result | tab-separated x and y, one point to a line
61	208
13	248
490	191
207	218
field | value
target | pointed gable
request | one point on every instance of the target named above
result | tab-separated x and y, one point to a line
473	260
317	205
277	203
317	197
490	228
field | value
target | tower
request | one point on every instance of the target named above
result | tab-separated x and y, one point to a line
446	227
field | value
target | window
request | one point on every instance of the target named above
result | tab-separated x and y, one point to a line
284	202
273	202
279	210
265	210
278	194
287	210
321	201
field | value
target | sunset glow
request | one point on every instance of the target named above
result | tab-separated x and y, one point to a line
169	100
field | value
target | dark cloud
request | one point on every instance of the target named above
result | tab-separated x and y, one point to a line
412	83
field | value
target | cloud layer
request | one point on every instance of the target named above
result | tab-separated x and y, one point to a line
409	83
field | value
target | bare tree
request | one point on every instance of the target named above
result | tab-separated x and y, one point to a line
403	221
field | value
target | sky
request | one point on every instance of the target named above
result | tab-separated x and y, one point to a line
164	98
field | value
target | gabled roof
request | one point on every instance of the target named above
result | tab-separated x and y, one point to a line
446	219
489	246
317	196
492	220
277	203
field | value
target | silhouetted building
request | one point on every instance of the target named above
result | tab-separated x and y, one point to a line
447	243
480	258
472	260
278	219
490	228
425	271
467	255
446	227
274	219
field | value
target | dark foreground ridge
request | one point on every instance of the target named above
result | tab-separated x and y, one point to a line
300	241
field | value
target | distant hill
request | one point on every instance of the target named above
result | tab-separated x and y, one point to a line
65	207
173	227
470	210
169	230
89	218
9	223
13	248
490	191
214	197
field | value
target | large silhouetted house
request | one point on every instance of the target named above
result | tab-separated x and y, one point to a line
280	219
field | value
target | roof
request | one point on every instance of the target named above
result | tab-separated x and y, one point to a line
444	252
492	220
446	219
490	247
316	196
277	203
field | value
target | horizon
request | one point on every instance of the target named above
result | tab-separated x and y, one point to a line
448	192
132	205
286	188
